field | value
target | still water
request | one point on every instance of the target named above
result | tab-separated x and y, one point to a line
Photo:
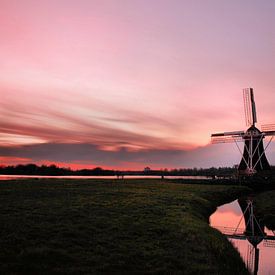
11	177
230	216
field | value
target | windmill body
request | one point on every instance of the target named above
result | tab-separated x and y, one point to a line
253	142
253	154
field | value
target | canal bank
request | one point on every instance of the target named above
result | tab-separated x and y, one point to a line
265	204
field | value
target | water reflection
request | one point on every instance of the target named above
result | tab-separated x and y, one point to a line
248	234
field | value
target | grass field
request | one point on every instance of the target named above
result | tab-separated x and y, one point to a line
119	226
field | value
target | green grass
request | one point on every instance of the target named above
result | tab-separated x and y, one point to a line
265	206
102	226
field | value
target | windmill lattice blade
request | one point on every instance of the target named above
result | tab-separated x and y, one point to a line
253	106
234	133
247	107
269	133
226	139
268	127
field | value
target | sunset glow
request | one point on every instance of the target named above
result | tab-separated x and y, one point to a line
128	84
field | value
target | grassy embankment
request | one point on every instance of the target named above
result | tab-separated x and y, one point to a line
103	226
265	206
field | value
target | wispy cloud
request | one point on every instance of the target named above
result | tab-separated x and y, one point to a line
87	155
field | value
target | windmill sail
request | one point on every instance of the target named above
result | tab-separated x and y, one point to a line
254	116
249	107
226	137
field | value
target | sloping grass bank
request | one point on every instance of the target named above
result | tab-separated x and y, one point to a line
102	226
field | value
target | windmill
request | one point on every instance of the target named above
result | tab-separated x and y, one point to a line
253	155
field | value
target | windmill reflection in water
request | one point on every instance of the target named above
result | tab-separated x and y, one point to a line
253	232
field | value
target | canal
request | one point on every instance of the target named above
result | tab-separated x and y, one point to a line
235	221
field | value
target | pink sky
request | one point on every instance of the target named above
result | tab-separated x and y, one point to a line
135	82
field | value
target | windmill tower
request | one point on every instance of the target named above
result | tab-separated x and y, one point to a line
253	155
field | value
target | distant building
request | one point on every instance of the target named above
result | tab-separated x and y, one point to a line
147	169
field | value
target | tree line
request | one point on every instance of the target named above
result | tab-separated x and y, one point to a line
33	169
